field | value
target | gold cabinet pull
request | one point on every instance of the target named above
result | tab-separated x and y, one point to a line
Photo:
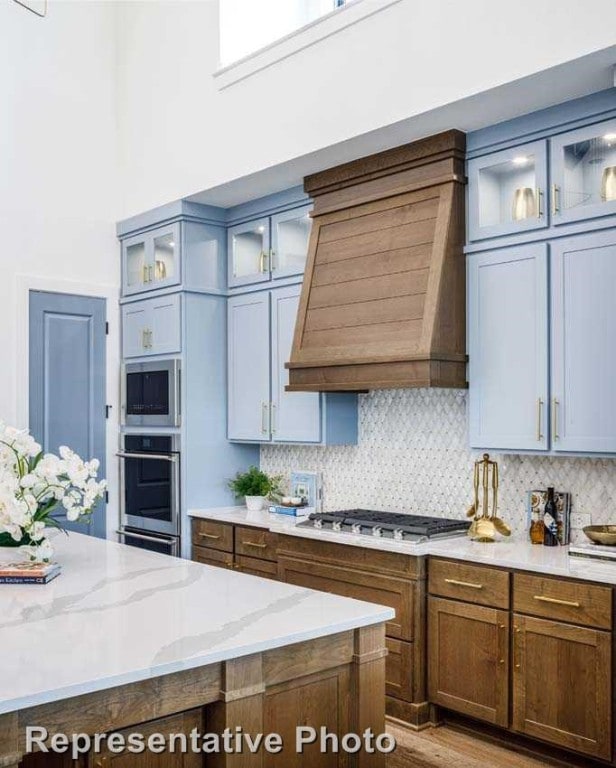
273	418
539	418
555	404
144	338
144	274
272	263
264	417
556	601
469	584
539	203
262	257
555	198
209	536
503	629
255	544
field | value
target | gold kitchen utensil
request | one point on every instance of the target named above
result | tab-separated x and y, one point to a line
524	204
486	523
601	534
608	183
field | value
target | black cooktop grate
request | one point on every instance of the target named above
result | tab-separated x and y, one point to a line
421	525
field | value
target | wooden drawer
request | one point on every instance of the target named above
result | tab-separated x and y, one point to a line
212	557
256	567
399	669
255	542
571	601
211	534
361	585
471	583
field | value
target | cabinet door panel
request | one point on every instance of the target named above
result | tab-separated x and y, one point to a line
583	166
136	256
468	659
562	685
165	269
507	191
249	367
249	252
135	320
295	415
508	348
166	325
290	237
583	348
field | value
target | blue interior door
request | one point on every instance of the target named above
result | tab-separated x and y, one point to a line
67	381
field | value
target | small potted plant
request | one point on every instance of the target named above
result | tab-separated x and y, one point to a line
255	486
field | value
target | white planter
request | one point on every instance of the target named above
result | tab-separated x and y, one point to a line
255	503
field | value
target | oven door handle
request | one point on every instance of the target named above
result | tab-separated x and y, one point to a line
159	456
157	539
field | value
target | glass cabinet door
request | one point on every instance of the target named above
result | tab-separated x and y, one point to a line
249	252
164	269
584	173
507	191
290	237
134	253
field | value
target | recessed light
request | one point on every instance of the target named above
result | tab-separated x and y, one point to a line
609	137
260	229
171	244
520	160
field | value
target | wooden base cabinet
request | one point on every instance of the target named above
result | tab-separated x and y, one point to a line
562	685
468	659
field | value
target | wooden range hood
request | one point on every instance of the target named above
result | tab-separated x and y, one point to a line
383	299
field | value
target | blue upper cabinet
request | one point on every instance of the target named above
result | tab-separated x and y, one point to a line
151	260
269	248
508	348
507	192
290	237
249	252
184	254
152	326
261	325
583	166
583	276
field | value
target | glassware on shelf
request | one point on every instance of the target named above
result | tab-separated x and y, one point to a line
608	183
524	204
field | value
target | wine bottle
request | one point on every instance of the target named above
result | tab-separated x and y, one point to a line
550	521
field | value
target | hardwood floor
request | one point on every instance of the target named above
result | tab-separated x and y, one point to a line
447	746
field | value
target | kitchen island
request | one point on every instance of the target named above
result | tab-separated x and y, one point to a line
125	637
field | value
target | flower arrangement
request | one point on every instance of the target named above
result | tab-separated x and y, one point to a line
33	484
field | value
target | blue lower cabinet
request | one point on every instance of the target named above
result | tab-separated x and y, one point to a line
583	279
260	335
152	326
508	348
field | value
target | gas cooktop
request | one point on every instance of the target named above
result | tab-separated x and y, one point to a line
389	525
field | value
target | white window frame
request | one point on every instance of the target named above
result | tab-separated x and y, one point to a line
319	29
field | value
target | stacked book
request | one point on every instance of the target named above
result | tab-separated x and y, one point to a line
28	573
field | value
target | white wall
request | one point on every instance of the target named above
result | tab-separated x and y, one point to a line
58	176
180	135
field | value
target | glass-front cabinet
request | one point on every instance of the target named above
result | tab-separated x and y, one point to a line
151	260
268	248
507	191
249	252
290	237
583	164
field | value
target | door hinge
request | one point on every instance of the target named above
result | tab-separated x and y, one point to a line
107	409
106	497
106	329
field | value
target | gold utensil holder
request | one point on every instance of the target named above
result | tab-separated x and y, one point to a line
484	510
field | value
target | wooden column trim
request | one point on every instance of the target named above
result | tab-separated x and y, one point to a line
10	755
242	678
368	690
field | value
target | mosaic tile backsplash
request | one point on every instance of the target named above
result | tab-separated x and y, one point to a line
413	457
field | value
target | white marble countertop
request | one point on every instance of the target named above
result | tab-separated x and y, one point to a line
241	516
517	553
117	614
